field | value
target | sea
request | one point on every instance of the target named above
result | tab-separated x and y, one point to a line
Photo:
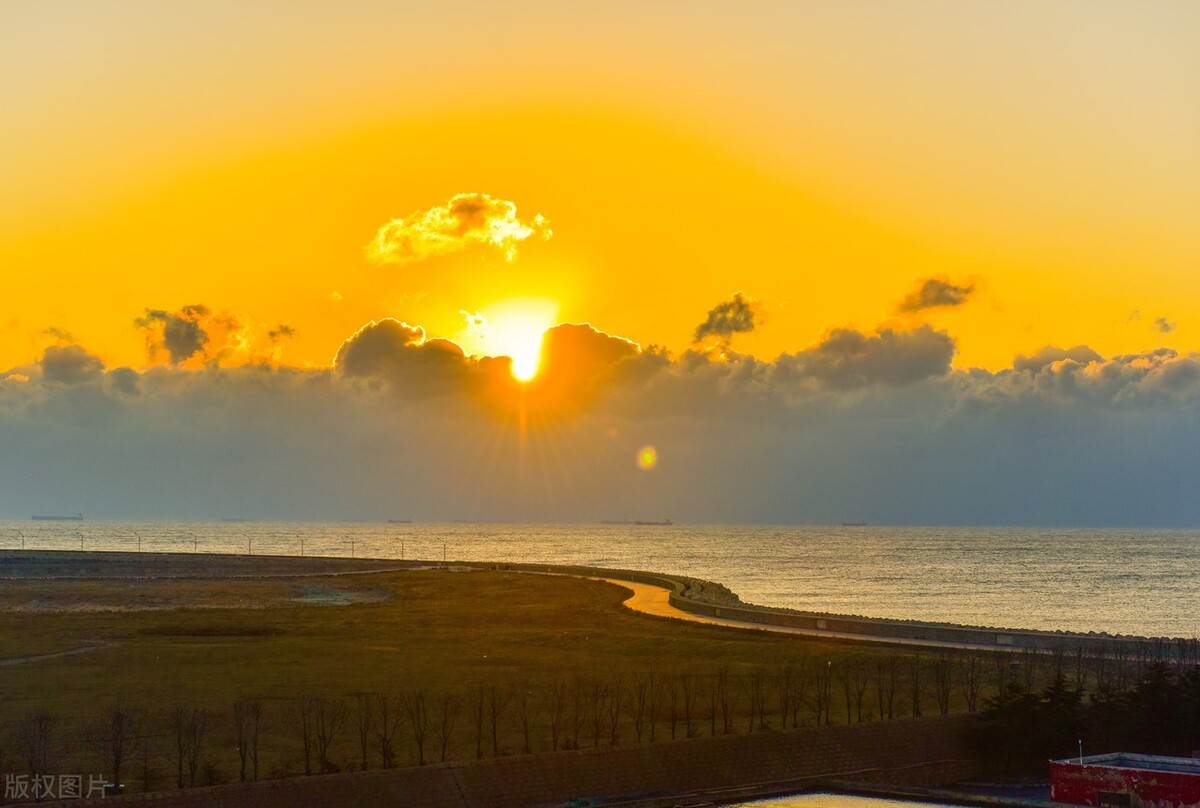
1126	581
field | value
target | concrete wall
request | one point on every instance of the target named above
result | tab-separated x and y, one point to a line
912	752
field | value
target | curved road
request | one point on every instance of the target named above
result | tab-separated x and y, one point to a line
656	600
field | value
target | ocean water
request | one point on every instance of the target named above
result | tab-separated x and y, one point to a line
1130	581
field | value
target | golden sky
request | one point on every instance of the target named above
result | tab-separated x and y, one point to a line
822	158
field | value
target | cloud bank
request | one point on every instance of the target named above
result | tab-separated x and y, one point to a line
471	219
874	425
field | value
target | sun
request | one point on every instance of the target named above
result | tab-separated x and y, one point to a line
514	328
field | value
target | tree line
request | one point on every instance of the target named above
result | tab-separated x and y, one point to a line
1031	703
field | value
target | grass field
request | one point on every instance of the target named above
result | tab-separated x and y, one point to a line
451	638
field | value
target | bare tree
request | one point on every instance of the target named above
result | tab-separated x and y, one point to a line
117	732
637	705
364	721
556	711
417	713
190	727
725	699
671	698
823	693
448	707
388	721
248	728
524	718
303	718
615	693
971	680
597	699
497	702
479	714
331	718
34	736
577	711
943	681
886	667
652	705
801	681
784	690
915	689
688	693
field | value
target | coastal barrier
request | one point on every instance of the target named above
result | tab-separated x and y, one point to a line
687	594
708	599
923	752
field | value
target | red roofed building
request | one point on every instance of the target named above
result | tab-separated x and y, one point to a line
1122	780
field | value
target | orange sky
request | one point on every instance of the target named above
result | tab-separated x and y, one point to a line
820	157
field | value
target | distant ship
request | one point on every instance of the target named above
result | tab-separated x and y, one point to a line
854	524
57	518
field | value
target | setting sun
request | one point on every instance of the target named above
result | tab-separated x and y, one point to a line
513	328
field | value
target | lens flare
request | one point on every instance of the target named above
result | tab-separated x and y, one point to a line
647	458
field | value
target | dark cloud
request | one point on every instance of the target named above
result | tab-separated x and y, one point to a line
125	380
736	316
70	364
280	333
1164	325
180	333
934	293
847	359
399	354
1080	354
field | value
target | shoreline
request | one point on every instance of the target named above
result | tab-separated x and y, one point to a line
656	594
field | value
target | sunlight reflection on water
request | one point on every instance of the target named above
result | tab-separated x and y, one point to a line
1121	581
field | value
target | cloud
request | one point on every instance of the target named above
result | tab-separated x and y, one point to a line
181	334
467	220
847	359
1080	354
400	355
193	333
738	315
125	380
876	424
70	364
1163	325
280	333
934	293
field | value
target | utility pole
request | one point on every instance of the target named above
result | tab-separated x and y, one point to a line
302	547
139	539
22	535
443	552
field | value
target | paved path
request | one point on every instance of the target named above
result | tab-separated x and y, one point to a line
656	600
83	649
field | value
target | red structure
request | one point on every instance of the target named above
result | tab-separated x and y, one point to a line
1122	780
